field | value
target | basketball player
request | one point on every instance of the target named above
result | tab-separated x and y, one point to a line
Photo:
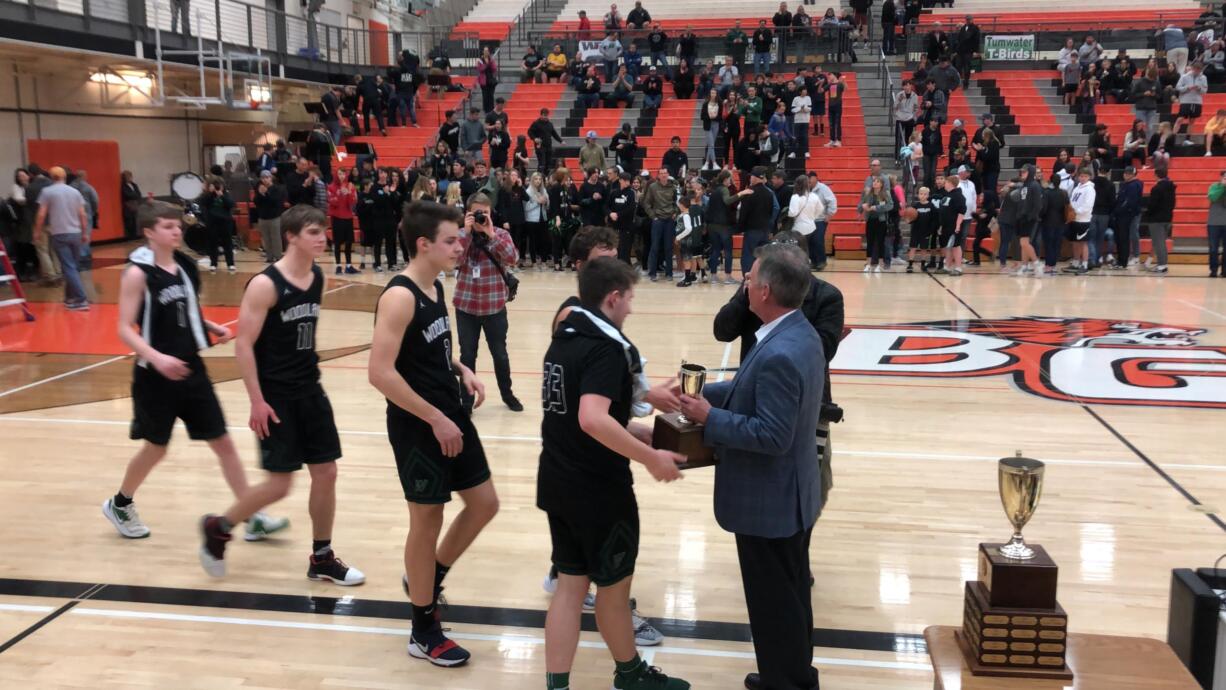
593	242
584	483
161	321
290	412
413	364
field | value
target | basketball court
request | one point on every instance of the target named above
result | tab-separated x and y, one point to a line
1116	381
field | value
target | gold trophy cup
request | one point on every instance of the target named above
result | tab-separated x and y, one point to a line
693	378
1021	485
676	433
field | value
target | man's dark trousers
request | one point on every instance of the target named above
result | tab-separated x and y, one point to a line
752	240
495	327
775	575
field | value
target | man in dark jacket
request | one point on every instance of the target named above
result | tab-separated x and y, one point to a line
543	134
638	17
1100	220
449	131
1158	217
331	103
936	44
318	150
620	207
372	102
757	209
1126	216
966	44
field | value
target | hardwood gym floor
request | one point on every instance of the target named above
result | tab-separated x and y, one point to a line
1128	417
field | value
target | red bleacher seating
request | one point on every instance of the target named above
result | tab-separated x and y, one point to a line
484	31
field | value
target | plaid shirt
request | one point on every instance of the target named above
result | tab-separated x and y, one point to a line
480	290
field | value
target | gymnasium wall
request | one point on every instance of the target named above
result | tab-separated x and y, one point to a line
154	143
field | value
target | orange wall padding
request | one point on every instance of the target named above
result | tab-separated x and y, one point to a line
378	43
100	159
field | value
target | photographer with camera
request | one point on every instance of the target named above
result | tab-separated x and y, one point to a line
823	308
217	214
483	288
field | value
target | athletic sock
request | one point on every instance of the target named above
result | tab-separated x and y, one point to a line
321	547
423	617
440	572
121	501
557	681
627	668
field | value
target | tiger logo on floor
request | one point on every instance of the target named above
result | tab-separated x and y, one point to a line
1079	360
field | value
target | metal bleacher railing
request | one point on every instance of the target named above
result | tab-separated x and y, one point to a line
243	25
792	47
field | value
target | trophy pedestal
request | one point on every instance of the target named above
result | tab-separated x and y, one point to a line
1017	641
670	433
1011	583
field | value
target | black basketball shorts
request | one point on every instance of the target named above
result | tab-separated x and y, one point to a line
306	434
602	545
1077	232
157	402
426	475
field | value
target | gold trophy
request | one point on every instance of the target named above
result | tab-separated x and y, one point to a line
1012	624
676	433
693	377
1021	485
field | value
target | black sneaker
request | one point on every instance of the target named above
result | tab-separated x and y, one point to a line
435	647
513	403
329	567
647	678
213	550
910	268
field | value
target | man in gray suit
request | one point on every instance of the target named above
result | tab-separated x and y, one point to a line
763	425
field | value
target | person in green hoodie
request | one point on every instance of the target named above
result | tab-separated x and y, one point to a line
734	45
1217	227
751	109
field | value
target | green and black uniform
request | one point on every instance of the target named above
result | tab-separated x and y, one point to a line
288	370
586	489
425	363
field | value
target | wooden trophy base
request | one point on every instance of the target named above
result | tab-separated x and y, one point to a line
980	669
670	433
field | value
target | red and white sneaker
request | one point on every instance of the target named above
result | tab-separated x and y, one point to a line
435	647
333	569
213	550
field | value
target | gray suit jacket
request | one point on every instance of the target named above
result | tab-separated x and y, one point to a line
762	425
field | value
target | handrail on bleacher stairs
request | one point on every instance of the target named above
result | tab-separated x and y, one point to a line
833	44
887	98
239	25
531	14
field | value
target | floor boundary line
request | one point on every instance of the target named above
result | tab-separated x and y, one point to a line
1162	474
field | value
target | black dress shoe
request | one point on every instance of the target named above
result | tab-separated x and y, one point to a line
513	404
753	681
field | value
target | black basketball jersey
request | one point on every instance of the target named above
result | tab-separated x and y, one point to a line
170	317
285	351
425	356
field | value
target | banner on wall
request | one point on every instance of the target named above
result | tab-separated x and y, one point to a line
1009	47
589	50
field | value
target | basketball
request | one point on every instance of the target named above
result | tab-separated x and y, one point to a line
909	214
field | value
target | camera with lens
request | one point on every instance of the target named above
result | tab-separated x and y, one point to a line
480	217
